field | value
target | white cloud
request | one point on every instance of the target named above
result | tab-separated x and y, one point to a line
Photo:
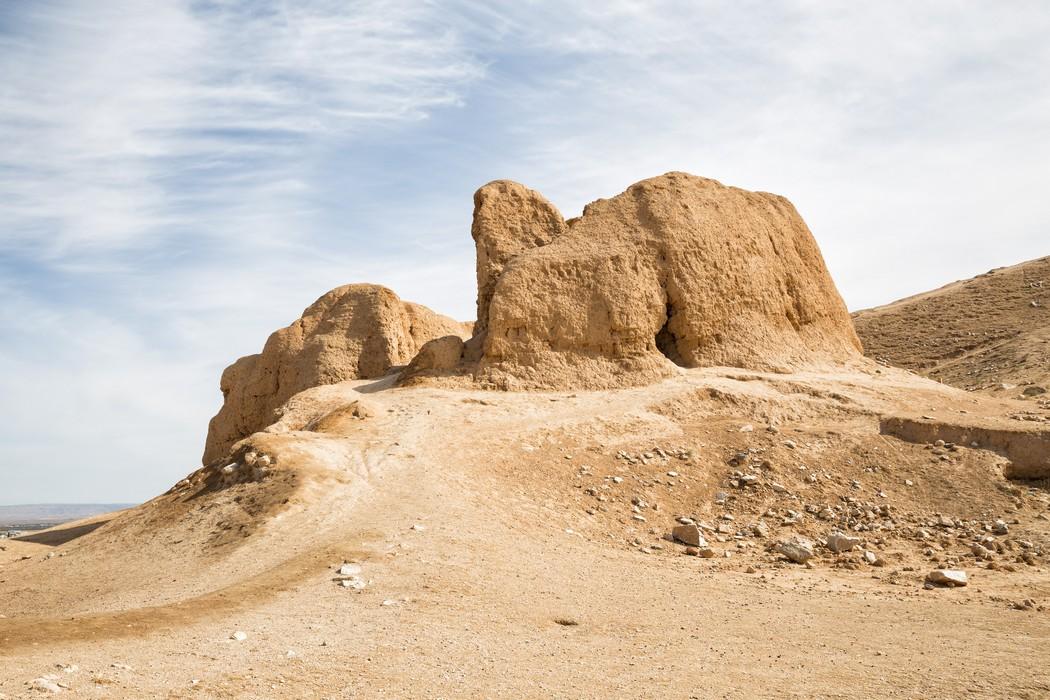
124	121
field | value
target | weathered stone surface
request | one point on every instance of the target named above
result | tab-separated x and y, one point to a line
689	534
357	331
437	357
677	269
837	542
947	577
509	219
797	549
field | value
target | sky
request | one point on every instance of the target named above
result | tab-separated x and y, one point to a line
180	178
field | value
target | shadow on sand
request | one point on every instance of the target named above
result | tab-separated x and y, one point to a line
56	536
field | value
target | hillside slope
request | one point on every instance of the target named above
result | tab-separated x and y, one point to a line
976	334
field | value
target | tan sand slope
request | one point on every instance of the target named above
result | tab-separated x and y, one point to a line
976	334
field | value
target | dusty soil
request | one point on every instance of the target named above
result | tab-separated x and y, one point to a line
977	334
512	545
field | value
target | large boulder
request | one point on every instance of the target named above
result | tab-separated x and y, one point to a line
677	270
357	331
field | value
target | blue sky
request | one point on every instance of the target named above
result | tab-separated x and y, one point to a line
178	179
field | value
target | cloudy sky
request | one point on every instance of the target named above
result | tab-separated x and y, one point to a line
178	178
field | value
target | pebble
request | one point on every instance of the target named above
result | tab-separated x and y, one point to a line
239	636
349	569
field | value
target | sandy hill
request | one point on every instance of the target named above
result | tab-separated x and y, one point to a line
989	333
760	528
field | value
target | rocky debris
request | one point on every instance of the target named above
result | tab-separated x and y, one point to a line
1034	391
796	549
837	542
951	578
676	270
689	534
358	331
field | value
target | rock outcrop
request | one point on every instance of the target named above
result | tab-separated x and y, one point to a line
357	331
677	270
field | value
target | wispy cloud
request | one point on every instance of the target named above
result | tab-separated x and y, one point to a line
125	122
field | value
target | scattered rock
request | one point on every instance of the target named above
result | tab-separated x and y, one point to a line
837	542
950	578
689	534
797	549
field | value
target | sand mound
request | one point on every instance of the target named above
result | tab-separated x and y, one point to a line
358	331
980	333
677	270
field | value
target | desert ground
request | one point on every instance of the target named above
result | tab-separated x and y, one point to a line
519	510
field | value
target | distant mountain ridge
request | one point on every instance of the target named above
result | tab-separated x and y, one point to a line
53	513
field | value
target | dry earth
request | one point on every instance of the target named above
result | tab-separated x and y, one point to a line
990	333
532	574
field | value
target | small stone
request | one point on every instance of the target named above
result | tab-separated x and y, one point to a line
349	569
947	577
790	444
418	528
239	636
797	549
747	428
1000	527
837	542
871	558
689	534
1034	391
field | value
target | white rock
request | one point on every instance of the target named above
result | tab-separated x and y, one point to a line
349	569
419	528
239	636
353	582
947	577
